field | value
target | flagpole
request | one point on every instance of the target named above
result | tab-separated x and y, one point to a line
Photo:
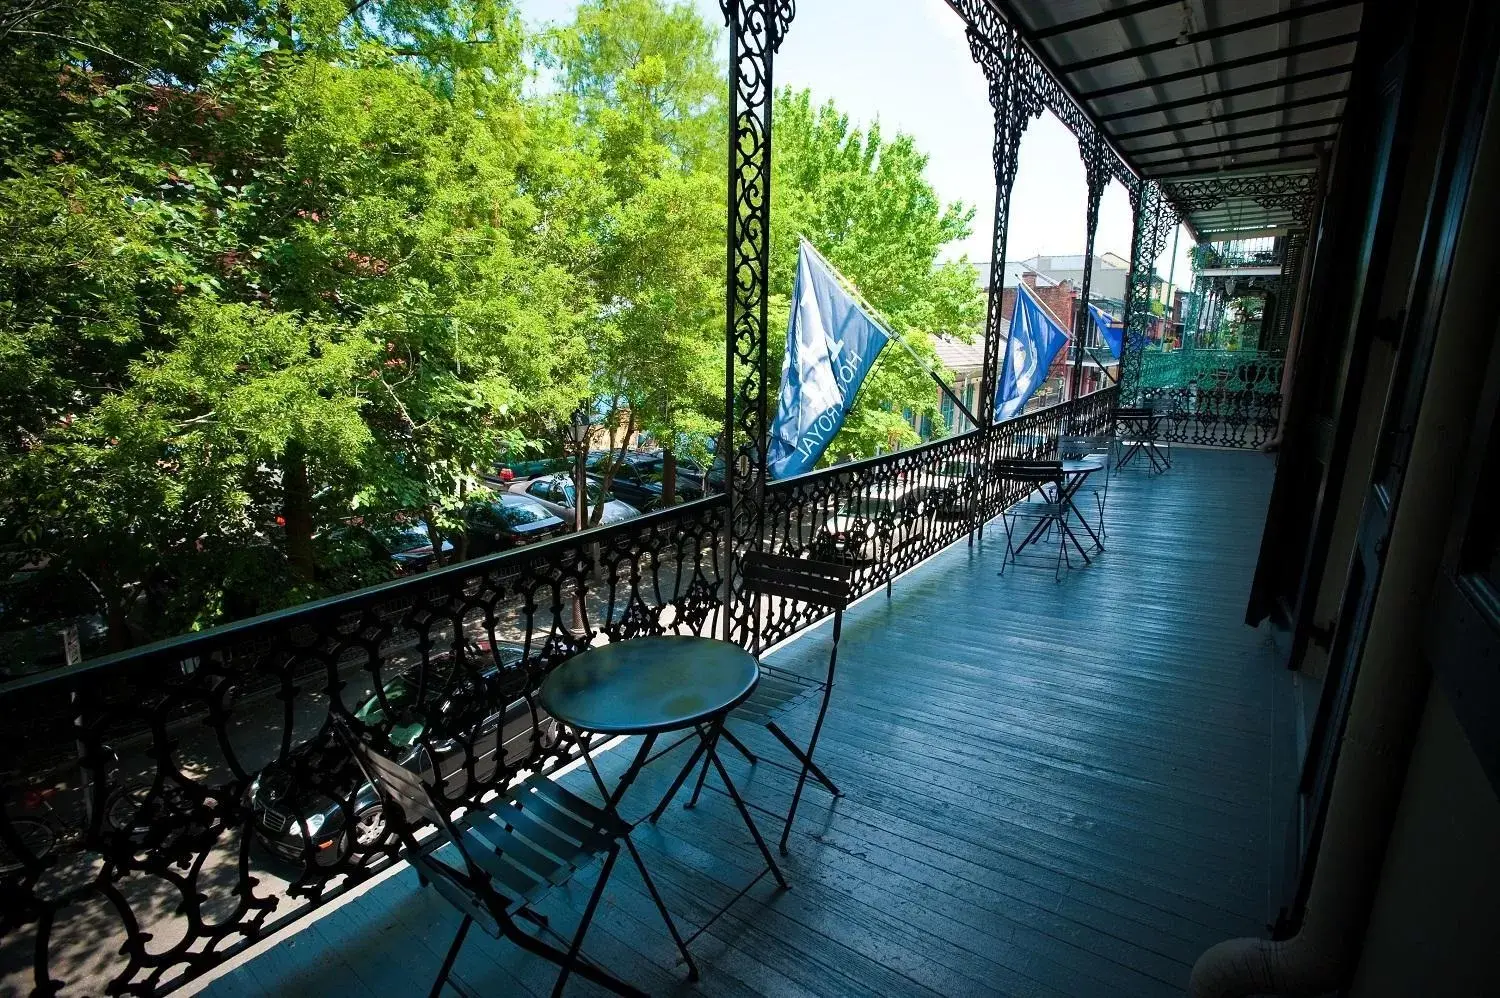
885	327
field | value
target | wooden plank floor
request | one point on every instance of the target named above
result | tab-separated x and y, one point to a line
1051	788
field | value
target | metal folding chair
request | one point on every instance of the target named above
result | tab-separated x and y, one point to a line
1140	432
512	853
1080	445
1046	513
817	583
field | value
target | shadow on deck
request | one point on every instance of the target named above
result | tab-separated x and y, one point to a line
1052	788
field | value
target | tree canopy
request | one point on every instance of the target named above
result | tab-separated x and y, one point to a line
270	272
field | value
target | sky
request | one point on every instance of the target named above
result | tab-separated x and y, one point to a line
907	64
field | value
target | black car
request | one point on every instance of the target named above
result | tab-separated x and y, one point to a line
499	521
638	478
287	810
407	546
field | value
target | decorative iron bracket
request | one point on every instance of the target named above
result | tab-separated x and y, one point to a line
1097	175
1284	191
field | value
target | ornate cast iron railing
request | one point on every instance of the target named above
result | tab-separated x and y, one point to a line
1220	398
1212	370
166	807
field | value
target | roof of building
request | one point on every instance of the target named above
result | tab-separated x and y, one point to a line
960	357
1013	271
1051	264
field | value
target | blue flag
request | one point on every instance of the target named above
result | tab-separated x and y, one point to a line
1035	338
830	346
1110	328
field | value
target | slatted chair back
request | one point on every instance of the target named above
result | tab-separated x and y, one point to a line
404	794
1028	471
1076	446
819	583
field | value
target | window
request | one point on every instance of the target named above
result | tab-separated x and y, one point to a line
411	538
517	514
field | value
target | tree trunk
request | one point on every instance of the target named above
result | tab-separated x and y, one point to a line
429	520
619	459
117	617
296	510
461	539
668	477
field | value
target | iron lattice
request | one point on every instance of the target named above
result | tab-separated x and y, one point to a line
1154	222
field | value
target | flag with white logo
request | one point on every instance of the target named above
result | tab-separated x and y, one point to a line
1035	338
831	344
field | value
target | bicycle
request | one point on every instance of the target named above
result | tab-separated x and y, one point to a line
37	829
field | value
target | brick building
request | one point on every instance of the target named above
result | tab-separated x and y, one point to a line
965	361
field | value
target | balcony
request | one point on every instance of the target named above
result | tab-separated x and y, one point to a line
1051	788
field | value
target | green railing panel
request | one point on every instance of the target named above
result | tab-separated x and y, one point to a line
1213	370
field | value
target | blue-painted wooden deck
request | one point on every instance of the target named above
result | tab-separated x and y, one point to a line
1051	789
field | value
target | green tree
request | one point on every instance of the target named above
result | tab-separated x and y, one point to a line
641	81
267	266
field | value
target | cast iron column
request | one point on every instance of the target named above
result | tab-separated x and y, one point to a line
756	28
1152	213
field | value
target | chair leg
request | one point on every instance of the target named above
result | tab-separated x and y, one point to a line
805	758
807	766
1062	553
583	926
457	944
661	906
1010	551
739	803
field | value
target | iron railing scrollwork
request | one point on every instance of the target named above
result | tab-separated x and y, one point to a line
1244	418
167	807
1096	176
1218	398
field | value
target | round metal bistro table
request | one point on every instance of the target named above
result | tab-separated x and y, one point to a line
651	687
1075	473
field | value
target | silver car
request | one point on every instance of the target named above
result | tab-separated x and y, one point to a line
556	492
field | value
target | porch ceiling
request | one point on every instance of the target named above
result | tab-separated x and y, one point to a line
1195	93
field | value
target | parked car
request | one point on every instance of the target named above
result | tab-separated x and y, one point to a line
287	810
713	476
410	548
343	550
638	478
556	493
506	472
500	521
